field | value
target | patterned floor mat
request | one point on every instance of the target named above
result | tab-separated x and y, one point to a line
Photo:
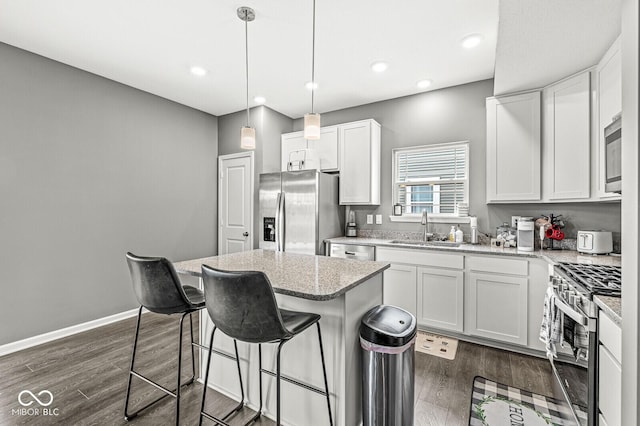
434	344
495	404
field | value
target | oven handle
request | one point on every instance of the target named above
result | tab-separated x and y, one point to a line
583	320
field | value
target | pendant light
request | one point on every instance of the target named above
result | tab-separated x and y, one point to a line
248	133
312	120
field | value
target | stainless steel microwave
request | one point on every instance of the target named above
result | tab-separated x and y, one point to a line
613	156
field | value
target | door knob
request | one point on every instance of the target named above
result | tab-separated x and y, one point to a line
245	234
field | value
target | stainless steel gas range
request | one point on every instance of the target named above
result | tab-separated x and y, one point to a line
574	286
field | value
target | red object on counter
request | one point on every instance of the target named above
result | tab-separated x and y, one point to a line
554	233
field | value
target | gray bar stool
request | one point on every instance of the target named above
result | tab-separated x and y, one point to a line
243	306
158	289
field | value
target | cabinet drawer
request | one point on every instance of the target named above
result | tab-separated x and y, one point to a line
609	384
610	335
498	265
420	257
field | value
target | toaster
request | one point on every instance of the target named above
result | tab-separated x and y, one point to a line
595	242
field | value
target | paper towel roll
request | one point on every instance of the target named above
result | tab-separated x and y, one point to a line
473	221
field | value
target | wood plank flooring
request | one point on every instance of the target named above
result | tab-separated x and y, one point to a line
87	375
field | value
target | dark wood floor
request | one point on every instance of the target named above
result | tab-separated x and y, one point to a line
87	375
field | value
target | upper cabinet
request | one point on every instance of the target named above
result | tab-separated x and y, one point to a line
360	163
513	148
608	80
566	139
326	148
554	154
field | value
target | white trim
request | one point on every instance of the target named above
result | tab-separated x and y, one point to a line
432	219
64	332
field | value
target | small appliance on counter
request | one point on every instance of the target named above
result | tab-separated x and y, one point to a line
595	242
526	229
352	229
550	229
473	222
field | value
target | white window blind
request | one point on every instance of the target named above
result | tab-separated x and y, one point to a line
432	178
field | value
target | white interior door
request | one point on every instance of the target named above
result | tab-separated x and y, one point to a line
235	202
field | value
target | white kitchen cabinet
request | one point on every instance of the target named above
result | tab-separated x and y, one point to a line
326	147
359	161
608	81
399	287
609	370
496	306
566	139
441	298
513	148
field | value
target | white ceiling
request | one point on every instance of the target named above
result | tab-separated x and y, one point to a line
543	41
151	44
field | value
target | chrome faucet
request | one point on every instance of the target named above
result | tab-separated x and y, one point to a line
425	222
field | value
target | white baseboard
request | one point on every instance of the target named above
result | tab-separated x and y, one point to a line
64	332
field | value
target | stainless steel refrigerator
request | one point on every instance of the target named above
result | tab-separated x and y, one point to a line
299	210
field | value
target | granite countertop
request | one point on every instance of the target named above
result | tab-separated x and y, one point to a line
551	256
299	275
612	306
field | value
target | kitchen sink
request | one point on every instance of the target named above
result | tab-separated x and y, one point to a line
426	243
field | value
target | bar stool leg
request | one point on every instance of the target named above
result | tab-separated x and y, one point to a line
206	376
193	353
127	416
282	342
259	413
180	368
324	373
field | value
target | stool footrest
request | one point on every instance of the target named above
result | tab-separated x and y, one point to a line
295	382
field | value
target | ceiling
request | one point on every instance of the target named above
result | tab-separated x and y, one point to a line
151	45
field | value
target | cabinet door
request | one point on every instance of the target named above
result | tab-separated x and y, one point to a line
360	163
609	90
497	307
440	298
399	287
566	143
290	142
327	148
610	385
513	148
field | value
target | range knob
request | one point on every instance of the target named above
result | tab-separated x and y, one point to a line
573	299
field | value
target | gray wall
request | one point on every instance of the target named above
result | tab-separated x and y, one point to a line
447	115
269	125
91	169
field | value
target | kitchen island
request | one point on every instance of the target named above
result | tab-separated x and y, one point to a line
341	290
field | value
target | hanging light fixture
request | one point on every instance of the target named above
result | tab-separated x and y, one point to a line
248	133
312	120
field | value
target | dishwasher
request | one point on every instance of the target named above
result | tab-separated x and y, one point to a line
352	251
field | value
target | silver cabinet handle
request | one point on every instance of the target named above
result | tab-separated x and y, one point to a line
352	253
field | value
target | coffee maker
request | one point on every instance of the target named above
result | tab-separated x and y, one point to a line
352	230
526	229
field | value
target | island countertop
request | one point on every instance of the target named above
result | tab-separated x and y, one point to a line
298	275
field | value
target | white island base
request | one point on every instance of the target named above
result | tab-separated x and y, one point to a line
300	359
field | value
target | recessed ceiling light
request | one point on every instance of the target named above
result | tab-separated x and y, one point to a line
423	84
471	41
260	99
199	71
379	66
310	85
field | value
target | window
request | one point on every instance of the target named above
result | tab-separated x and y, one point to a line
432	178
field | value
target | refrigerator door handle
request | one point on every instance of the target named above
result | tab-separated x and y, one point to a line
280	222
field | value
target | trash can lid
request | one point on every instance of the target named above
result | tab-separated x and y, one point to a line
388	325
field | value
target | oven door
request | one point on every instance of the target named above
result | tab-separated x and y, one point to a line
575	385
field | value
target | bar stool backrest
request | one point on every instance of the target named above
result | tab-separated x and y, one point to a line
243	306
156	285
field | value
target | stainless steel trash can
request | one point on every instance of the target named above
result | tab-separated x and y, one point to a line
387	339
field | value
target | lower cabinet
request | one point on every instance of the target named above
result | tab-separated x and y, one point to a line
609	370
441	298
399	287
497	307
